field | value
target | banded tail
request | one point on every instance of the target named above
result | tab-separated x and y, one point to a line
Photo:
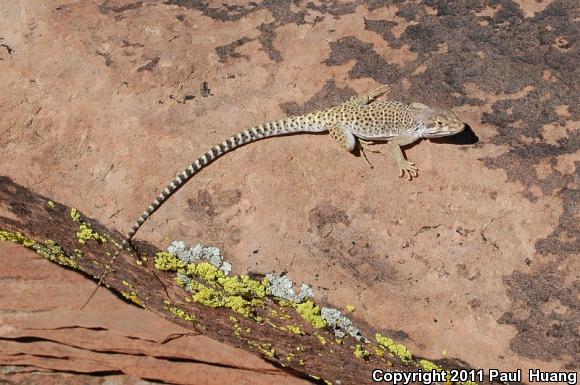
303	123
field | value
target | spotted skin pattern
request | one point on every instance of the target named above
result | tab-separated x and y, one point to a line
361	118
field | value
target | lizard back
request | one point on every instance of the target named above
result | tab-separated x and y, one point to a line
379	120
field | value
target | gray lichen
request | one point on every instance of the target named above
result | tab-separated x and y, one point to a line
199	252
340	324
282	287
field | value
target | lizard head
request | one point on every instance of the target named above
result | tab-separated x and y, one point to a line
439	122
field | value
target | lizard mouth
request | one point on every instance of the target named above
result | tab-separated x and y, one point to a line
448	132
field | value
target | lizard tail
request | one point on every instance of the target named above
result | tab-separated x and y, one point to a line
305	123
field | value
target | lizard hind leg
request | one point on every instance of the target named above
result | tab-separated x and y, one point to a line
347	141
365	99
364	146
382	90
343	137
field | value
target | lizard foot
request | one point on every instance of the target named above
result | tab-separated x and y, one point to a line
364	144
408	168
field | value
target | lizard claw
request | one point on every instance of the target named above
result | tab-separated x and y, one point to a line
409	168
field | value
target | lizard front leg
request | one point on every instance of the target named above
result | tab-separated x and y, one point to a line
404	165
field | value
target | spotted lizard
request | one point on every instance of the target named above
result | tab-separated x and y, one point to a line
362	118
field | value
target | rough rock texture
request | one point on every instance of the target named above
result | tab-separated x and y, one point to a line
102	102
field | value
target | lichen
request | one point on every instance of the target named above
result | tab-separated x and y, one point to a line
75	215
133	297
199	252
50	204
379	352
360	352
282	287
85	232
178	312
240	293
214	297
267	350
311	313
429	366
295	329
211	286
50	249
280	314
340	324
397	349
168	262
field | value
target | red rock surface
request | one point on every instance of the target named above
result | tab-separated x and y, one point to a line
43	334
102	102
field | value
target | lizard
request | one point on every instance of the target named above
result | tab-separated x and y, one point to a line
362	118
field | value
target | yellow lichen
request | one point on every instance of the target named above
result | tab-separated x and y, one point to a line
75	215
178	312
168	262
215	298
396	349
379	352
429	366
321	339
208	297
49	249
279	314
132	296
360	352
86	233
50	204
267	349
205	270
241	294
311	313
287	328
350	308
243	285
293	329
